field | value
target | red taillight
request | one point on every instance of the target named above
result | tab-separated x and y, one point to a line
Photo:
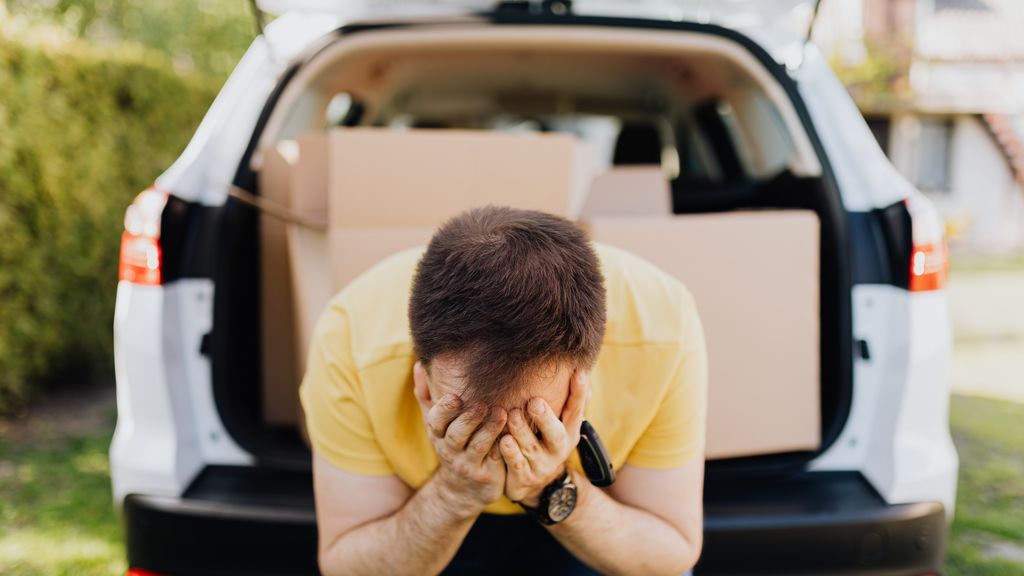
929	258
140	260
140	241
929	265
140	572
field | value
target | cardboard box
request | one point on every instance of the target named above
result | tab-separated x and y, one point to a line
290	305
388	178
356	250
388	190
628	191
755	277
277	299
310	257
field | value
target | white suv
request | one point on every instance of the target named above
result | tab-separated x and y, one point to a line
209	484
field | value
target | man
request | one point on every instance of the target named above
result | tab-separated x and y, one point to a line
441	391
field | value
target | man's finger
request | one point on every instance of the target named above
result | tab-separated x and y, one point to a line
465	424
495	453
483	439
552	431
579	391
442	413
523	435
513	456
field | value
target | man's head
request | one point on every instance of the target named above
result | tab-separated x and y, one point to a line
505	305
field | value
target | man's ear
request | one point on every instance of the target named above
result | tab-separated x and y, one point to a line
420	387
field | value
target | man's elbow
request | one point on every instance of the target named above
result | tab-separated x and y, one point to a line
695	543
330	558
683	559
325	562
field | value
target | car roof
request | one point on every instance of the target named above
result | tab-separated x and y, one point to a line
779	26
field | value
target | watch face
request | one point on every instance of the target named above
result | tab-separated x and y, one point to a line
562	502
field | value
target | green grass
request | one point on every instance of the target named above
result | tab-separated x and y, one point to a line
988	532
969	263
56	515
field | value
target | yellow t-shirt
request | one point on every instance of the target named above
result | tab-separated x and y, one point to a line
648	399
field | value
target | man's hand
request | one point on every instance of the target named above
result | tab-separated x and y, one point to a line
534	463
472	473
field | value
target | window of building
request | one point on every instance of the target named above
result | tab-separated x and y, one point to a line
934	148
880	126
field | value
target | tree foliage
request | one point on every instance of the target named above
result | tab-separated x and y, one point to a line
881	81
82	130
204	36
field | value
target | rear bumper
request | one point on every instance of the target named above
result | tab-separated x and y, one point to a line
818	523
248	521
231	520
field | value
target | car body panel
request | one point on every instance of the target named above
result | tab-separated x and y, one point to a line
926	462
865	176
153	447
781	26
190	303
205	170
897	433
167	423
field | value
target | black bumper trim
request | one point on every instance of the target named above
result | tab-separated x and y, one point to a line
236	520
181	536
902	539
818	523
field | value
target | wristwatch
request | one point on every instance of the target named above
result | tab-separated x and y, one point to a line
557	502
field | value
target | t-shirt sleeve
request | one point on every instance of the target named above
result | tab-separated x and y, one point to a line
676	434
332	398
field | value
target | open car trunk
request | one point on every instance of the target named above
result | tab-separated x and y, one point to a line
705	165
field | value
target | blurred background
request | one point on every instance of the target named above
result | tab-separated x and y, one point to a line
97	97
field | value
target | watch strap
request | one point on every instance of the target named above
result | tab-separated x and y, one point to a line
540	512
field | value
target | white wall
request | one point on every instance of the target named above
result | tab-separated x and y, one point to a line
984	207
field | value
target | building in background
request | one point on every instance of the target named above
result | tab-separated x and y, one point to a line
941	83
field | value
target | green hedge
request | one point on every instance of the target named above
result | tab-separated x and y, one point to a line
82	131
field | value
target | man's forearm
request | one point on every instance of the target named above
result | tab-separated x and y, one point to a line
420	538
617	539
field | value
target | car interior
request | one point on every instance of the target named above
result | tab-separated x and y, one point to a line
688	130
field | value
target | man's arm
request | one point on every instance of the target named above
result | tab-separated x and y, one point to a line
371	525
648	522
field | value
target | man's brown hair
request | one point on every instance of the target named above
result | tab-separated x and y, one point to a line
506	291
